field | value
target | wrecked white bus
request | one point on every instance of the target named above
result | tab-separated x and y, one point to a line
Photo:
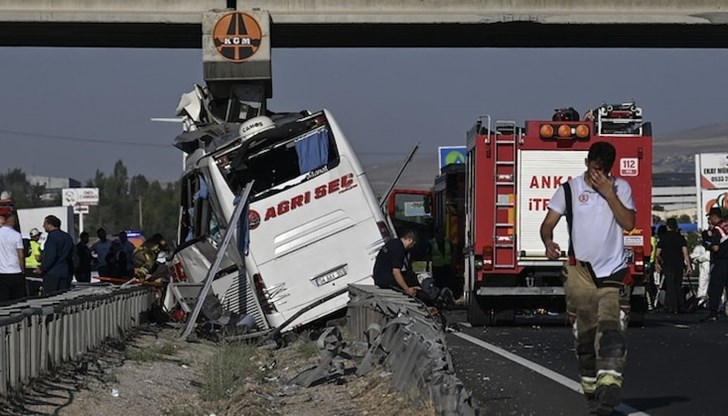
314	223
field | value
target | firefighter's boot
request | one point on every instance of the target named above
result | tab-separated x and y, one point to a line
588	386
608	394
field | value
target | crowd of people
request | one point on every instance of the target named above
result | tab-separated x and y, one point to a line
29	269
673	264
596	275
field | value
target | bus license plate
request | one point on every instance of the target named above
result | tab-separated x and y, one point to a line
330	276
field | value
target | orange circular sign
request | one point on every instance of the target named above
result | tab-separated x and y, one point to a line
253	219
237	36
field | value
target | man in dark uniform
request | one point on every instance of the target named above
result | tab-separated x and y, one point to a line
390	261
672	258
719	273
56	267
83	258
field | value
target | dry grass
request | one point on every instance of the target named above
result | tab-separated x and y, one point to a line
151	353
229	369
167	376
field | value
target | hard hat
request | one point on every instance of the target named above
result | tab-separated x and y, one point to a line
255	126
34	232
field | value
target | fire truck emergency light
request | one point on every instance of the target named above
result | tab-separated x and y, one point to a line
564	131
582	131
546	131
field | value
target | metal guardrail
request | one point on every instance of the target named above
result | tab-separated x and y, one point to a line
38	334
404	337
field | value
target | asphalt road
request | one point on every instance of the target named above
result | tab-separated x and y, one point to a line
675	366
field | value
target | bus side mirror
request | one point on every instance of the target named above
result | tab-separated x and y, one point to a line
428	205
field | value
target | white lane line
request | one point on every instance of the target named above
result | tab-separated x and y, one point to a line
563	380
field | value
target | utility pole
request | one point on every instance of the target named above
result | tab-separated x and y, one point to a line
141	222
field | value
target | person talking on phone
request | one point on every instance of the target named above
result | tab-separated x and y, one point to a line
600	207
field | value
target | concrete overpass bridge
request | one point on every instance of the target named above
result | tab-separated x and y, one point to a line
375	23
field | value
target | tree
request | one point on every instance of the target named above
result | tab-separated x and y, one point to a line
684	219
23	193
161	209
118	207
115	210
692	240
138	186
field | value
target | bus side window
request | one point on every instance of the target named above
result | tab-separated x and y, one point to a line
186	226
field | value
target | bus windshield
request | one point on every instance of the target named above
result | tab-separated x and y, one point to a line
278	161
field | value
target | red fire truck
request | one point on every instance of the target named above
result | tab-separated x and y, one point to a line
511	172
435	212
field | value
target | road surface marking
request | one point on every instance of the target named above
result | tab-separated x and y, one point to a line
563	380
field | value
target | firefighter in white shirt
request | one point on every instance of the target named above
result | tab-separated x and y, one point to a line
600	209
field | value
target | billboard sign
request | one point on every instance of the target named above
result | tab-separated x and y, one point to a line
80	209
70	197
448	155
710	198
711	170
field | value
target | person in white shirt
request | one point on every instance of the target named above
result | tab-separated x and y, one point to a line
701	257
12	261
600	208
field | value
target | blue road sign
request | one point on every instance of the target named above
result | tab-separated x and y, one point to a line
451	154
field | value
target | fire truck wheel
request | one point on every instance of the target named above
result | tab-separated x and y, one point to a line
505	317
477	314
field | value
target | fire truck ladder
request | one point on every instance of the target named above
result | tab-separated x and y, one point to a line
504	173
619	120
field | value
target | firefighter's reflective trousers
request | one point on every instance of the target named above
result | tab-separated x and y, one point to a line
598	309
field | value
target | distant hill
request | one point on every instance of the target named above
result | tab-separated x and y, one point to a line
674	152
420	174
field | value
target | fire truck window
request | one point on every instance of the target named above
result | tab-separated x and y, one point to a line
411	208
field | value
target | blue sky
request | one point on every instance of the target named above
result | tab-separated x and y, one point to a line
68	112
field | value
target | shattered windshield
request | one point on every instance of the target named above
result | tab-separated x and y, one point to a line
281	162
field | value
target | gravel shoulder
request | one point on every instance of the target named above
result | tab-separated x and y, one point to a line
154	373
